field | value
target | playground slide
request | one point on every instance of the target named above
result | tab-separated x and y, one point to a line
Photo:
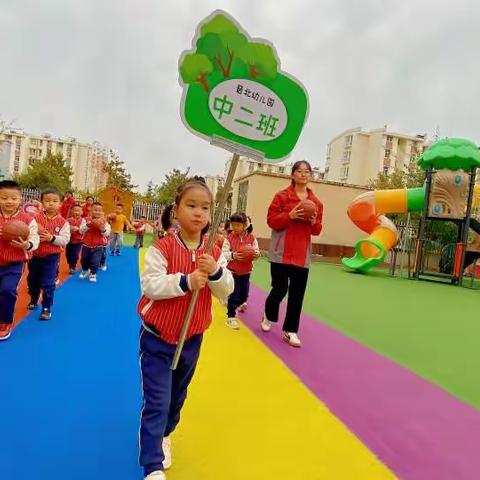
367	213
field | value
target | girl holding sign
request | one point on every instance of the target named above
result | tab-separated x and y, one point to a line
175	266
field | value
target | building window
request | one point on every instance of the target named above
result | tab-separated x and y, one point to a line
344	173
346	156
387	153
348	141
251	167
269	169
385	170
281	169
389	138
242	197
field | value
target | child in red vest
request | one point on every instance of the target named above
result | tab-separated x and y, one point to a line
13	254
72	252
175	266
54	233
240	266
140	227
96	231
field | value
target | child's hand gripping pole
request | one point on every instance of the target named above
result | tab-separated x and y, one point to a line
211	240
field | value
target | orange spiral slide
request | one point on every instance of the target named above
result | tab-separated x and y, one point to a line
367	213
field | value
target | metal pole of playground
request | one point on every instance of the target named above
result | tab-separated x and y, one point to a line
466	224
211	240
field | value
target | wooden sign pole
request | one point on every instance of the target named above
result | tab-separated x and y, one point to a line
211	240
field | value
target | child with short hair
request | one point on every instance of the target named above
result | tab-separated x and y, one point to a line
67	205
54	233
118	224
175	266
13	254
72	251
87	206
95	230
240	266
140	227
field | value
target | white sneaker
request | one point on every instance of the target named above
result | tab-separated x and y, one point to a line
242	307
232	323
167	453
103	268
84	275
292	339
92	278
266	325
156	475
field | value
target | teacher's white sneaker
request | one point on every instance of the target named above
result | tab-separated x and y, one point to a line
292	339
266	325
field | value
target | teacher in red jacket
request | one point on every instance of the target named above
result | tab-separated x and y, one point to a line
290	250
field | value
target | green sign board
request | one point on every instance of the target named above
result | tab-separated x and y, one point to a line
233	89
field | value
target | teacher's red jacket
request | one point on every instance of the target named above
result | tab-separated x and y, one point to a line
291	242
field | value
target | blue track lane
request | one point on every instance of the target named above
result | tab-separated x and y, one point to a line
70	387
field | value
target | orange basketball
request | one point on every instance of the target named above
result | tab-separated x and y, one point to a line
98	223
246	253
309	209
14	229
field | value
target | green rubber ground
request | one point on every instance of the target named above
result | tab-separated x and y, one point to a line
432	329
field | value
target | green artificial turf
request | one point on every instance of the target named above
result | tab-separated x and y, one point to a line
432	329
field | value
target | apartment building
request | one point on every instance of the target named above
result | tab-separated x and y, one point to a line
19	150
357	156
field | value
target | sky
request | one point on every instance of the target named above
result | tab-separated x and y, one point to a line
107	70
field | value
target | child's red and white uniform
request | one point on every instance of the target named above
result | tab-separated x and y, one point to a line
166	291
233	243
12	261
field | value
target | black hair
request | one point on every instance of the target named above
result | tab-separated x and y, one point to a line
238	217
89	196
97	203
228	228
297	165
49	191
250	226
166	217
9	184
196	182
143	216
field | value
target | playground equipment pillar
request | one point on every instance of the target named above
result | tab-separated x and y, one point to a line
465	229
419	250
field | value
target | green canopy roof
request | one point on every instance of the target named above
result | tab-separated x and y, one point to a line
451	153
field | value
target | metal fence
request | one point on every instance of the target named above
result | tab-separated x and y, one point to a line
150	210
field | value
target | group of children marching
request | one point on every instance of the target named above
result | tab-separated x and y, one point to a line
54	226
175	267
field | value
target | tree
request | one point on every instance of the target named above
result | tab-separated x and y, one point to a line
194	68
222	51
260	60
118	175
415	177
51	171
221	48
168	188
